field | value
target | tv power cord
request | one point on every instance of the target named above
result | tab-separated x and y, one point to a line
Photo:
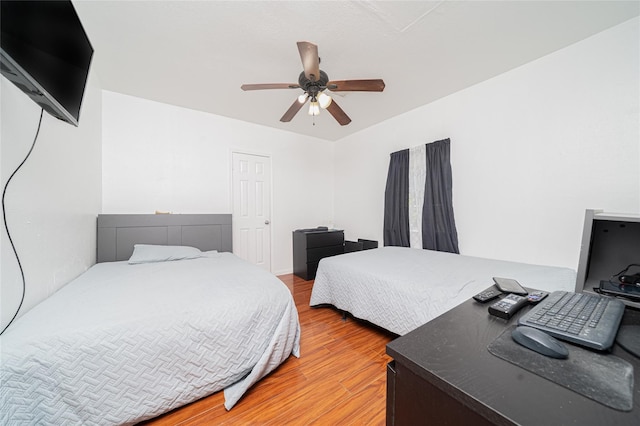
6	226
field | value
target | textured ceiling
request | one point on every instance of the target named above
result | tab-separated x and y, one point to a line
196	54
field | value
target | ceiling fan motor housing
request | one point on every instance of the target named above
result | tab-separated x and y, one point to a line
313	87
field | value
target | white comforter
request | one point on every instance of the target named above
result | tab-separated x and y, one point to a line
400	288
123	343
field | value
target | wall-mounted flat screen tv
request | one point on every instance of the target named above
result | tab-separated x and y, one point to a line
46	53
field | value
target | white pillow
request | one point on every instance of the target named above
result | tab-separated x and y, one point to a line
211	254
146	253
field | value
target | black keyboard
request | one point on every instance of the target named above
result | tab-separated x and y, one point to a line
585	319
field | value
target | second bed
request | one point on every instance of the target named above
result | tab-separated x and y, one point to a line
399	288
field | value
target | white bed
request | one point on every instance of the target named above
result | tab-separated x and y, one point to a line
127	342
399	288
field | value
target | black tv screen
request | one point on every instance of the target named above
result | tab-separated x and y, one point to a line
46	53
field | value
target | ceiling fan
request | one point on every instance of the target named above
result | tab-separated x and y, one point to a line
313	81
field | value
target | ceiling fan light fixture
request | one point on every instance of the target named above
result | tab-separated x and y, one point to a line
324	100
314	108
313	82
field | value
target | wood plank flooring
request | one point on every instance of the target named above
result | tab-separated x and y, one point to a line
340	377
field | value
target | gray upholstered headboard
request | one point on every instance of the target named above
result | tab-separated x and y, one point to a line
117	233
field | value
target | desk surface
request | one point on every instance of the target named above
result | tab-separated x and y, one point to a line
451	353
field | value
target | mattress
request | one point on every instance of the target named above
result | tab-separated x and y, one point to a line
400	289
123	343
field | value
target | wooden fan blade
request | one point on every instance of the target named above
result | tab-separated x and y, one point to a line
338	113
270	86
310	60
376	85
292	111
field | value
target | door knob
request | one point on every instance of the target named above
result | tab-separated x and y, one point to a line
266	222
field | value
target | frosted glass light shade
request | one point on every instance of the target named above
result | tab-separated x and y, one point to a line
314	108
324	100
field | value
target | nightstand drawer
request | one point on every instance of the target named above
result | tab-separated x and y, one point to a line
323	239
315	254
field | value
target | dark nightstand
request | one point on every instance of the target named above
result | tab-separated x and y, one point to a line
311	245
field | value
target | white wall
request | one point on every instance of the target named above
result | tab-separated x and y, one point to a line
161	157
531	150
52	202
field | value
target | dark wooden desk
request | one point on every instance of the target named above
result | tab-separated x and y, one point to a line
443	374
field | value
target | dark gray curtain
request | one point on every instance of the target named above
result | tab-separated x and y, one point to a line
438	224
396	201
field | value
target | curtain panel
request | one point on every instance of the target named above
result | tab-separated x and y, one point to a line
396	201
418	209
438	223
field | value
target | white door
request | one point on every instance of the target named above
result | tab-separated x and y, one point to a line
252	208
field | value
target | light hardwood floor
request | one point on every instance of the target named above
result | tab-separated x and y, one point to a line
340	377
